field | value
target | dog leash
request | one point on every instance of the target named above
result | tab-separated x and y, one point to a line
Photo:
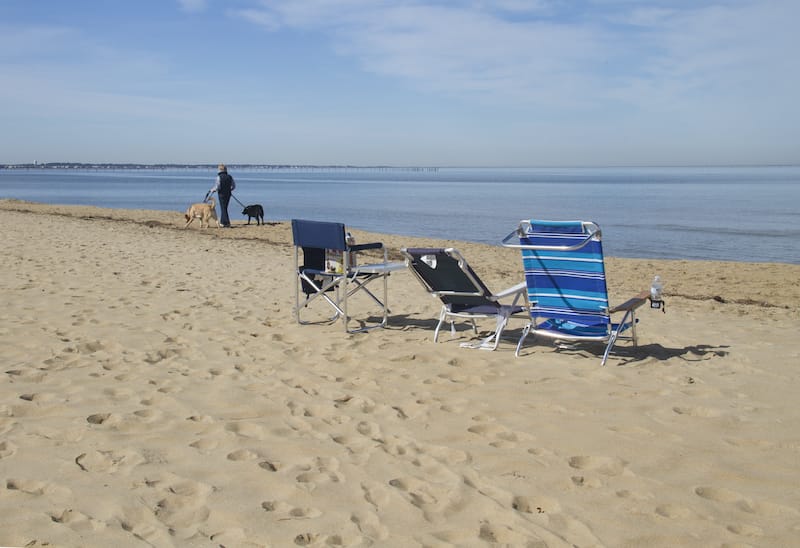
237	200
232	196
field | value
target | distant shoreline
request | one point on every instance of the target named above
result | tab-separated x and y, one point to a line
137	166
128	166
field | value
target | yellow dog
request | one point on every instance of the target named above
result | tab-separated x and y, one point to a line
205	212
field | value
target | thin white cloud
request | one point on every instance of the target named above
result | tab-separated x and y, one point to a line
447	47
193	5
259	17
531	52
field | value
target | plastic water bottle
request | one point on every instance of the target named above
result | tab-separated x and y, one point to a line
655	293
351	258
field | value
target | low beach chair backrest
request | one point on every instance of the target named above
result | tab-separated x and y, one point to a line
564	270
446	274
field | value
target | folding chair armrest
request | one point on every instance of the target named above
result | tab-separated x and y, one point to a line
517	291
632	303
364	247
316	271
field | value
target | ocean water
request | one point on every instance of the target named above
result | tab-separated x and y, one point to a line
747	214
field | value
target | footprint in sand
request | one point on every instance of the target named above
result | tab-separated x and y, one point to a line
420	493
33	376
205	445
458	378
142	523
246	430
148	415
40	398
370	526
357	403
163	354
376	494
702	412
119	394
304	539
726	496
583	481
243	455
746	530
234	536
103	418
370	430
39	488
77	521
7	449
432	499
282	510
320	471
31	487
501	436
718	494
108	462
608	466
503	535
674	511
537	505
89	347
182	507
360	447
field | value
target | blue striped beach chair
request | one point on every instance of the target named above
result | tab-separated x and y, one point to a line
566	281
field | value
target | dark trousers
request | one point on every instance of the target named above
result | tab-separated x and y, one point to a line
223	209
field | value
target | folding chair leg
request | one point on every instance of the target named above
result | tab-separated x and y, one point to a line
442	317
319	293
491	342
359	285
525	331
362	286
614	334
634	337
502	322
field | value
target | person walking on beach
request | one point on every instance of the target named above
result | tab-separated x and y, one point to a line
224	187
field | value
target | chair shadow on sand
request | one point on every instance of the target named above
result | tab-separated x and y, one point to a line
622	355
630	355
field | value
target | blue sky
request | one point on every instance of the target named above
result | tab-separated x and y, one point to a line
402	82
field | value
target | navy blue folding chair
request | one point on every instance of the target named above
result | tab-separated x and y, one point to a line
329	271
566	281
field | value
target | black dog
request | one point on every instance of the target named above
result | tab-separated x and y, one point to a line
254	211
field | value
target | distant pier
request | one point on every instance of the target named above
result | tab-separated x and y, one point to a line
240	167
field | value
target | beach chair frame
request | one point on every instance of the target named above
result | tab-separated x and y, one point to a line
566	284
445	273
315	282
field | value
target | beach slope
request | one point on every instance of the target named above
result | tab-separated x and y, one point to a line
155	390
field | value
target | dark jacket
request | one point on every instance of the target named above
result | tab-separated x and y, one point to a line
225	183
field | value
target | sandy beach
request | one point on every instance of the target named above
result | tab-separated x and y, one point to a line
157	391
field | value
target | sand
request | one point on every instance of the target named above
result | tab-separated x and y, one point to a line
156	391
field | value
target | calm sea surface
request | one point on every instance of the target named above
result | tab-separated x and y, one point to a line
730	214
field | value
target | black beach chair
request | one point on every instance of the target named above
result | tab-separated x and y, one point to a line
445	274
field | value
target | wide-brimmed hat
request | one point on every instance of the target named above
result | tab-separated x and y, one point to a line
222	167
